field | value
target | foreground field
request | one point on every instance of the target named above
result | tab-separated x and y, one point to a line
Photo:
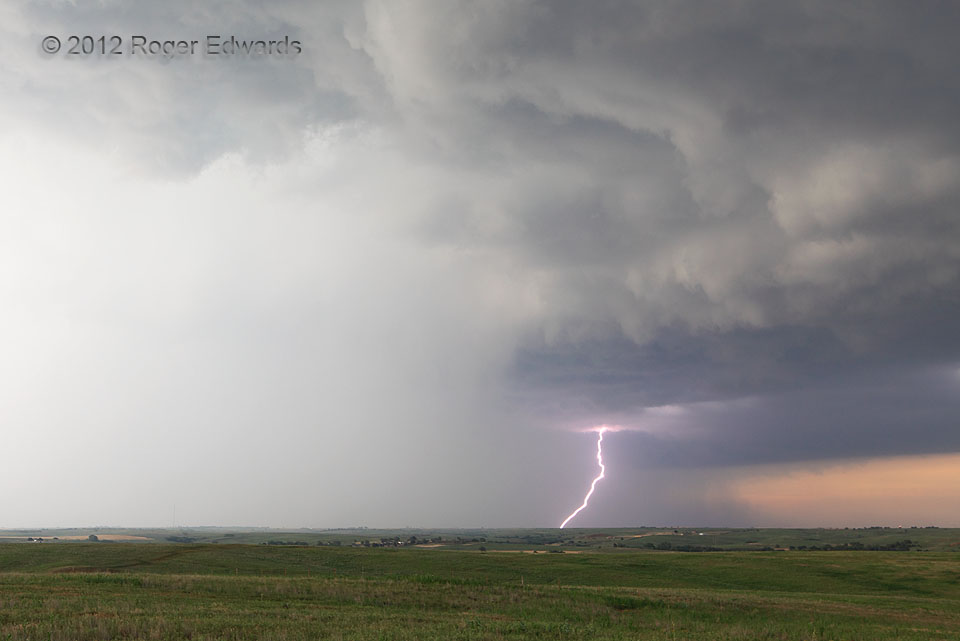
129	591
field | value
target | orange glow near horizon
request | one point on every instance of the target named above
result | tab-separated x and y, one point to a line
909	490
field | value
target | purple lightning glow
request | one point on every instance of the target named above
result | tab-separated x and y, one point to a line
593	485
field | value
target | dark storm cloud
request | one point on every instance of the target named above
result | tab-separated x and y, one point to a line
874	415
732	226
730	202
707	202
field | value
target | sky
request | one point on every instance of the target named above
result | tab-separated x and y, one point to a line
396	278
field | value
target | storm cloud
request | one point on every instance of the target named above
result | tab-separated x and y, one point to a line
393	278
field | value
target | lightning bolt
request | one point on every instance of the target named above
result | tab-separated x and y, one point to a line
593	485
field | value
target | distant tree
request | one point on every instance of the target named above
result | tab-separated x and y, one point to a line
483	548
181	539
93	537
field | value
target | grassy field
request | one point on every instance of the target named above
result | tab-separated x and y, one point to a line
546	539
206	591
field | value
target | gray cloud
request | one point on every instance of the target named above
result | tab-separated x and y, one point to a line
449	227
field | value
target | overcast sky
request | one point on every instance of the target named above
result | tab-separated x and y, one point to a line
395	279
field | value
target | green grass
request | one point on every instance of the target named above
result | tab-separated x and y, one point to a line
607	539
165	591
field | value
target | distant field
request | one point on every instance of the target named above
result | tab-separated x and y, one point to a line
242	591
546	539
